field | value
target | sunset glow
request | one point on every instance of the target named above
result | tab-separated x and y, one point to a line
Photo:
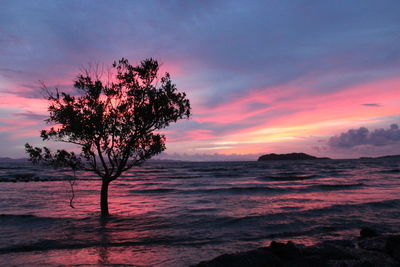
247	98
199	133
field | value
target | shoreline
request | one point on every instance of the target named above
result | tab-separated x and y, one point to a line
371	248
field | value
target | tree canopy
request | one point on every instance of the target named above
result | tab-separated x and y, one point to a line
115	122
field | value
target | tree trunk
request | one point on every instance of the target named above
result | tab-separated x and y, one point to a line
104	198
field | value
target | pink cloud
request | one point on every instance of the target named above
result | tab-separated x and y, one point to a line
199	134
306	107
15	102
307	114
252	103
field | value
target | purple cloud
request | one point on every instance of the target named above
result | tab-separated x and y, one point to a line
362	136
222	51
372	105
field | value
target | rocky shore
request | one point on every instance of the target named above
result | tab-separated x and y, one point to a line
369	249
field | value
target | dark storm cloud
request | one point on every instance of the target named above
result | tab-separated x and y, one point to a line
362	136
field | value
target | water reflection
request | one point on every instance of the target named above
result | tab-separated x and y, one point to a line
104	241
176	214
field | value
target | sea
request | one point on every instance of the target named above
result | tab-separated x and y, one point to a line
181	213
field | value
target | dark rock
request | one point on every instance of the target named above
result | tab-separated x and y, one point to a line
311	261
363	263
330	251
376	243
255	258
368	232
286	251
393	246
340	243
374	259
381	250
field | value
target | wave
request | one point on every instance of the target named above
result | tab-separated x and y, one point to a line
183	177
390	171
216	169
153	191
227	175
289	177
23	220
239	190
258	227
6	216
42	178
247	189
335	186
54	244
359	208
317	213
223	190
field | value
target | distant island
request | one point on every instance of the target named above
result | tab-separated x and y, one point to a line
266	157
291	156
7	159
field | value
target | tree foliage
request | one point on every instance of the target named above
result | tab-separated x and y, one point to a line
115	122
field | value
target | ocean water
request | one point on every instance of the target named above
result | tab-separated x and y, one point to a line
180	213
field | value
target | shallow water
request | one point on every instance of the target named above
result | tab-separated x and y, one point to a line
177	214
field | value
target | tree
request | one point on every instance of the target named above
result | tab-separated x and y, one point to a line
114	123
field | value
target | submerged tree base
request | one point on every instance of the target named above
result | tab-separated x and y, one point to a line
371	249
104	198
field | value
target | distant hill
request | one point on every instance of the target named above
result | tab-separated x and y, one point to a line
291	156
164	160
7	159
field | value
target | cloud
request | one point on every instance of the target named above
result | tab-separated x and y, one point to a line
246	67
31	115
7	72
372	105
362	136
207	157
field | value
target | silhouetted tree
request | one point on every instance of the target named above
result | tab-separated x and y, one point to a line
115	123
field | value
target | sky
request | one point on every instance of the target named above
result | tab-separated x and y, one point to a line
272	76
